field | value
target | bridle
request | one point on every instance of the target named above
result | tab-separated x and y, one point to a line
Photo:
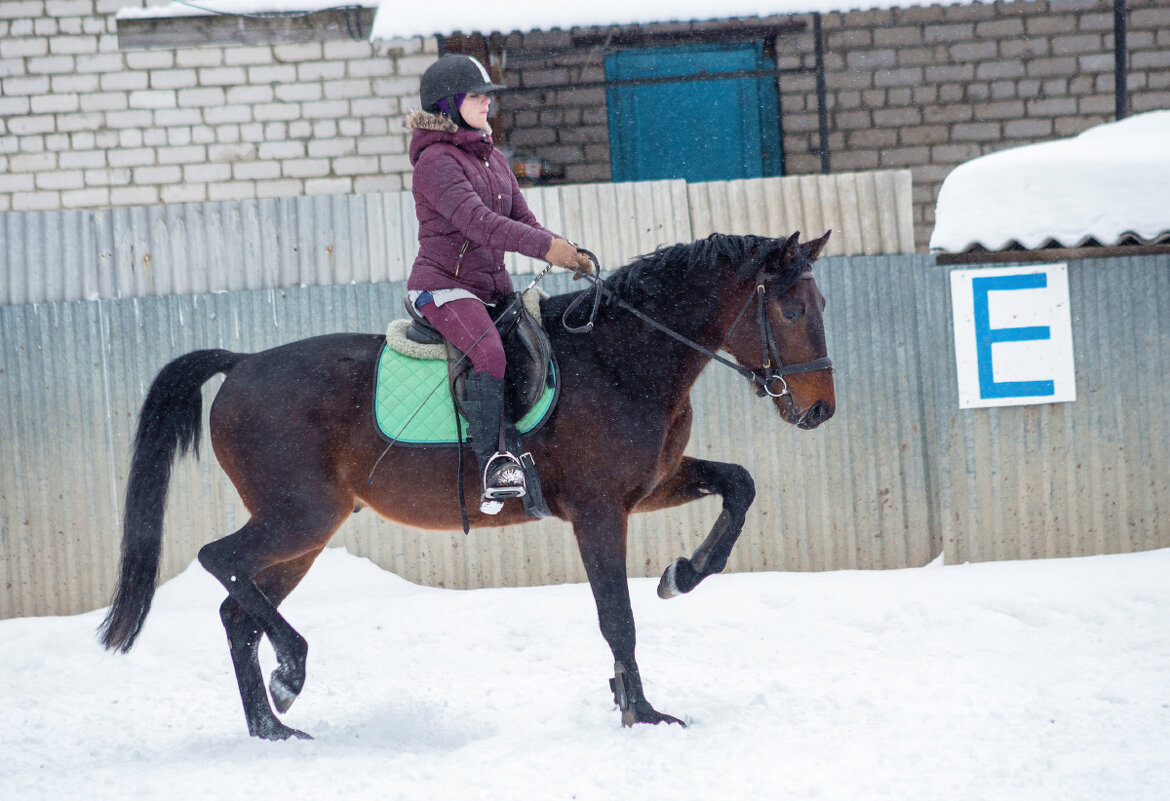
773	368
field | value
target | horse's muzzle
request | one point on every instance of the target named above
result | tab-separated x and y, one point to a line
818	413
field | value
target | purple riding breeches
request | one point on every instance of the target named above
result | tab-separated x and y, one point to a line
462	322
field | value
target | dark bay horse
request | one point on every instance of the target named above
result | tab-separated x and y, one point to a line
293	429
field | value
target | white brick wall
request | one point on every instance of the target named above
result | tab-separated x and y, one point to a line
86	125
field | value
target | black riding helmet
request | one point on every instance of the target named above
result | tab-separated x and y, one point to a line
453	75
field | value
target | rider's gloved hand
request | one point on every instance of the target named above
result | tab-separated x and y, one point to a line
584	265
561	253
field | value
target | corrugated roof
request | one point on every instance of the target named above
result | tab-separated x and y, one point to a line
1109	185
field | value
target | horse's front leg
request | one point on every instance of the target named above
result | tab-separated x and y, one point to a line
601	537
694	479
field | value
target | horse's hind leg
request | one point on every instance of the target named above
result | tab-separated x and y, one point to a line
244	635
238	560
697	478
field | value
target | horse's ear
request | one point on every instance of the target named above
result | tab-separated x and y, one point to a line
817	245
788	252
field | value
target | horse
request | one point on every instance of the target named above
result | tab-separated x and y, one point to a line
292	428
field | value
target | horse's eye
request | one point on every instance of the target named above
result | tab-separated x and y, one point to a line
791	315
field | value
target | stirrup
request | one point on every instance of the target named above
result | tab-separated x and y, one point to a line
503	478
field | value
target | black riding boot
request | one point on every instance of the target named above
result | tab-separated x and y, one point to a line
501	474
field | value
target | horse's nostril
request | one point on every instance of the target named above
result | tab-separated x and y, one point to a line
819	413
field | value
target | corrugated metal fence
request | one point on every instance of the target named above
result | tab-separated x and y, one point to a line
340	239
898	475
1087	477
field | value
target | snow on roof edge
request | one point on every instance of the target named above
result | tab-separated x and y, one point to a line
473	16
395	19
1108	186
246	8
1128	239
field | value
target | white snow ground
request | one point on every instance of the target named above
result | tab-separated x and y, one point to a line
1012	681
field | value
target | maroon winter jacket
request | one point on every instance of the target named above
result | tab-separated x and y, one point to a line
470	211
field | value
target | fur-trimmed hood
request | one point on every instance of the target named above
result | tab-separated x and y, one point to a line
429	121
426	121
429	129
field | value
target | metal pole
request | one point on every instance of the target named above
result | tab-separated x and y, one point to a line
1120	103
822	113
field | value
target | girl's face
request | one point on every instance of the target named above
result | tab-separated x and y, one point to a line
474	110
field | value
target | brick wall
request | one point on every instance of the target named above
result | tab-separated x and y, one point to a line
918	88
84	124
563	125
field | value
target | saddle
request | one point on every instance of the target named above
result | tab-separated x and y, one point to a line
406	413
408	409
526	348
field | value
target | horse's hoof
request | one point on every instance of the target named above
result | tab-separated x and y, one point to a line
647	715
668	585
285	688
276	731
678	579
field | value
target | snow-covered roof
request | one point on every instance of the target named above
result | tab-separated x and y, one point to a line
1108	185
202	8
399	19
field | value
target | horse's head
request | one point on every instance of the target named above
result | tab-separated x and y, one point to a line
781	334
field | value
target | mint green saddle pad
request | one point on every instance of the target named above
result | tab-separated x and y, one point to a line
412	402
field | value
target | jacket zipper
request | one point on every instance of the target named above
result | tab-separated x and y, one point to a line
462	251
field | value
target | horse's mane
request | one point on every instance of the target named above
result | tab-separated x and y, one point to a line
674	267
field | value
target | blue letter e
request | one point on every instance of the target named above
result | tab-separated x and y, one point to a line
986	336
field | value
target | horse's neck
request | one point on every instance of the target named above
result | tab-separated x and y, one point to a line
663	360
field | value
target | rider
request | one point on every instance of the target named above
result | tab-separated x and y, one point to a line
470	211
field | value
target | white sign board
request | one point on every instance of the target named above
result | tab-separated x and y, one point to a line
1013	336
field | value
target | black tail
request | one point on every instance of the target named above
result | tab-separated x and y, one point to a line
170	421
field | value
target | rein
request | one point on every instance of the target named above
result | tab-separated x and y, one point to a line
768	374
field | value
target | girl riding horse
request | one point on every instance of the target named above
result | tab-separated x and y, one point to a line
470	211
292	428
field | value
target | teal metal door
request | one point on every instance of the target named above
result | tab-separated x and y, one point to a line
702	130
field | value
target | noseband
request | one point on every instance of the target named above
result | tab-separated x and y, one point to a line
773	368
